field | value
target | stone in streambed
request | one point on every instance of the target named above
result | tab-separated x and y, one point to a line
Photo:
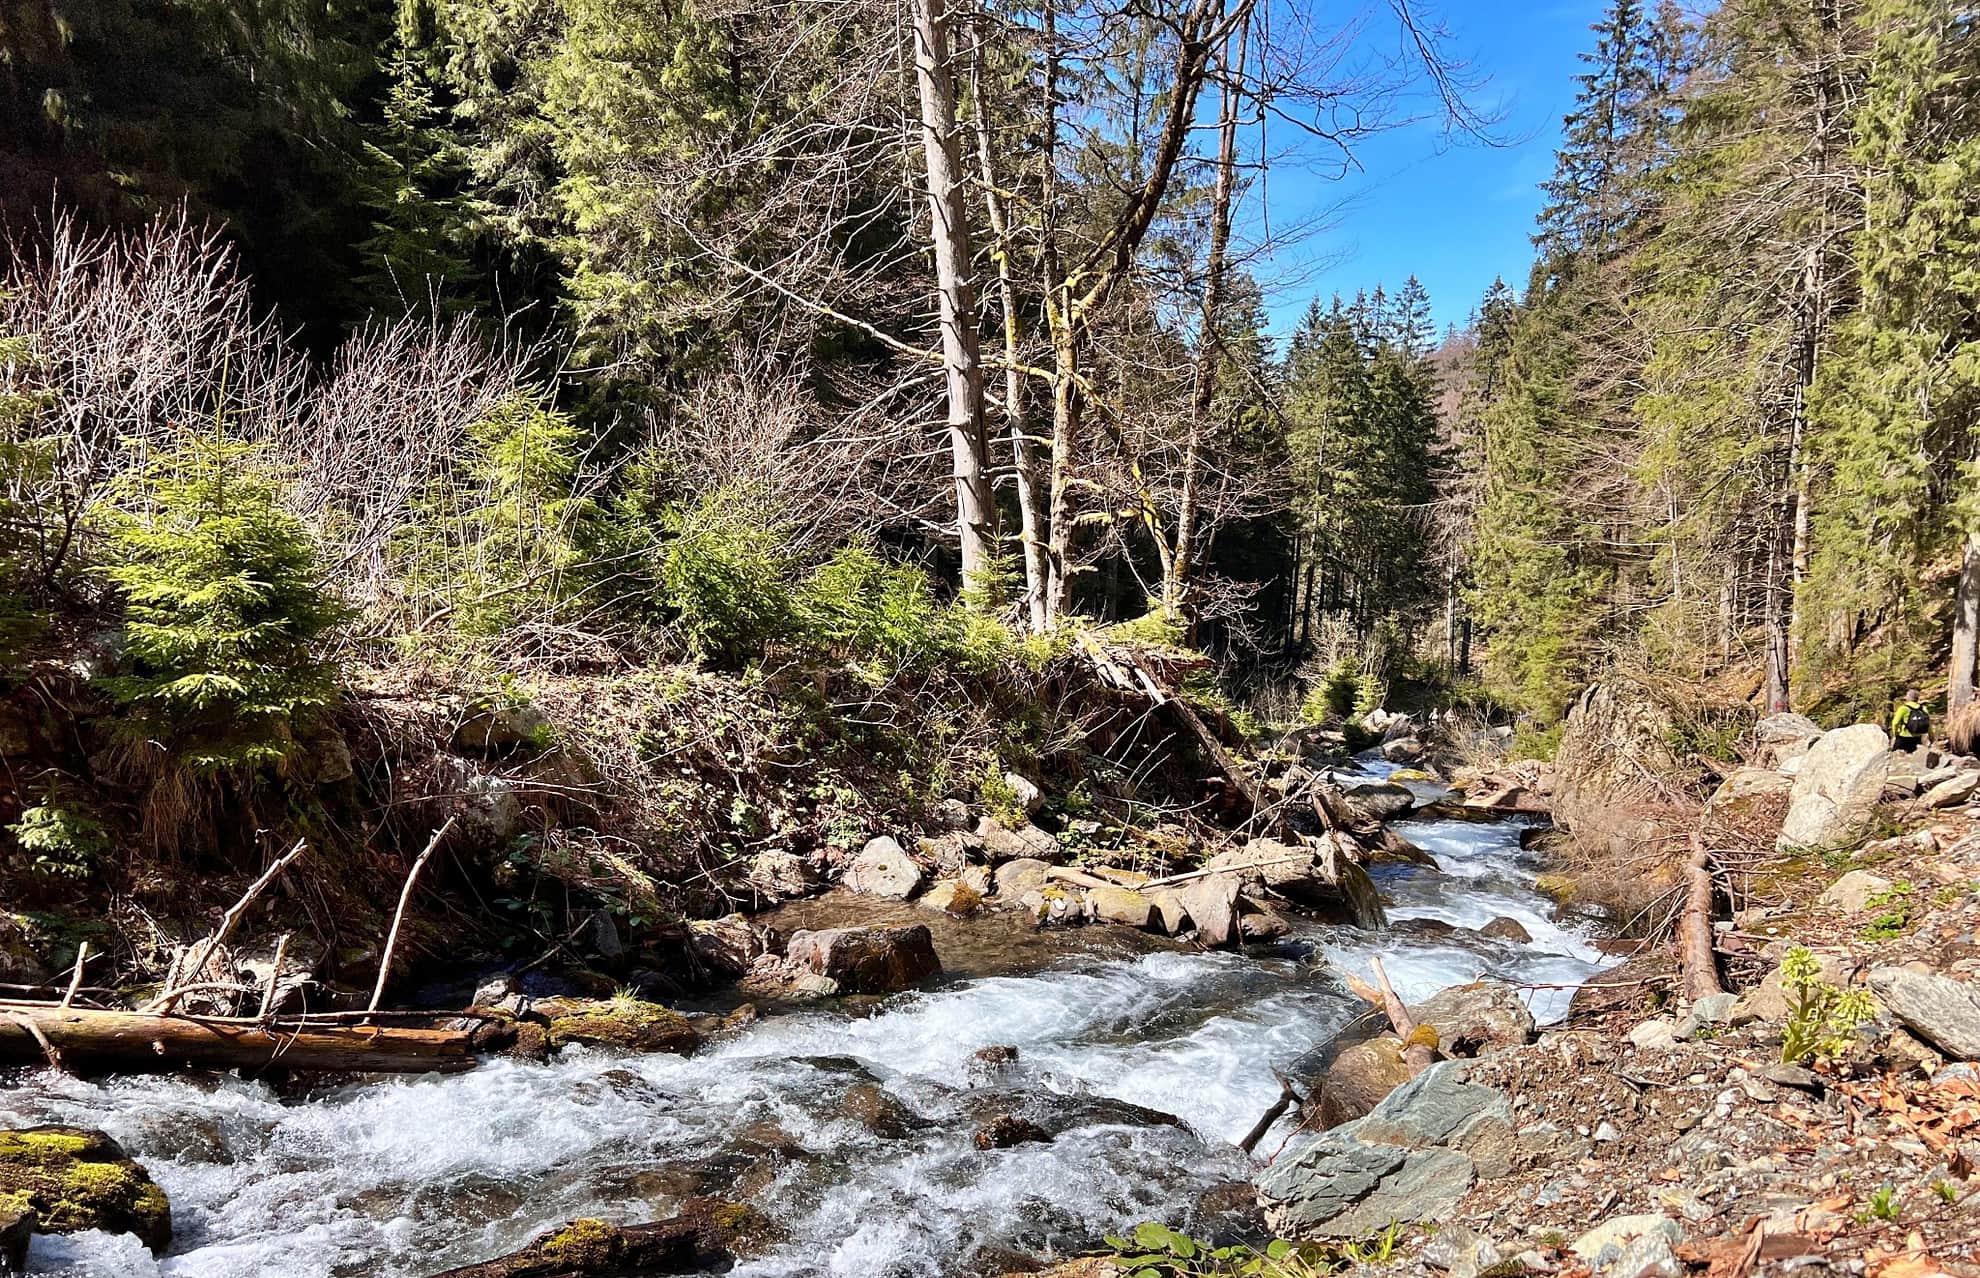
1359	1078
867	960
1377	800
630	1023
1025	874
1001	843
882	868
1506	929
1007	1130
72	1178
1211	903
707	1236
1119	905
952	896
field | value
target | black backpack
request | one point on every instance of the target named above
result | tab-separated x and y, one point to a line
1917	723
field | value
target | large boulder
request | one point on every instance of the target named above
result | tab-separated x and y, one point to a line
1836	790
73	1179
883	868
1751	797
1615	740
1211	903
1322	876
867	960
1377	800
1779	738
1111	904
1411	1158
1476	1019
1359	1077
728	945
631	1023
1940	1010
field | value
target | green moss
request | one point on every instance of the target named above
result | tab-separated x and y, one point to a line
1557	886
622	1021
74	1179
580	1243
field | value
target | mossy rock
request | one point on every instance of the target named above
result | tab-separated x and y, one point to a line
707	1236
630	1023
76	1179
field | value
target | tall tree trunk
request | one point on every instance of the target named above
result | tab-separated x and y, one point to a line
1031	513
1776	628
1178	564
1966	631
976	509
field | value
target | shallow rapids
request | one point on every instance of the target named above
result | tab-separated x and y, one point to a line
852	1132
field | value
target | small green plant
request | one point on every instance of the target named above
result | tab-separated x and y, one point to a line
64	841
1001	798
1895	906
1822	1020
1883	1205
1947	1191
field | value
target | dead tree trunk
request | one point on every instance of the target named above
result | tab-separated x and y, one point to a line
91	1039
1694	931
976	509
1966	631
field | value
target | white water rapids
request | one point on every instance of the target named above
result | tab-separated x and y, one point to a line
403	1178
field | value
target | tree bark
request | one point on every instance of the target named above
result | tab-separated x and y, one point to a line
1966	631
146	1042
976	509
1694	933
1031	512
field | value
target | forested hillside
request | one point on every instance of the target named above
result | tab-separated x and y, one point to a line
1727	424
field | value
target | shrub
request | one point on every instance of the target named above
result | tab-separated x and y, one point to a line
1334	695
724	577
223	611
877	612
63	840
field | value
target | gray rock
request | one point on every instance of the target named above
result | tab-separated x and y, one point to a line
867	960
1028	795
1780	737
1940	1010
491	730
1015	878
1338	1187
1460	1252
1837	788
780	873
1797	1077
1402	750
1114	904
1654	1036
1648	1257
1001	843
1952	791
1506	929
1211	903
1437	1107
1606	1242
1715	1009
882	868
1377	800
1852	892
1476	1019
952	815
1316	875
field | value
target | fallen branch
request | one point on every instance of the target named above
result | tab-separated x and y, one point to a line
1694	931
212	945
1287	1099
399	915
152	1042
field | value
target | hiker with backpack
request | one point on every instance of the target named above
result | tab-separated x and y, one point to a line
1909	722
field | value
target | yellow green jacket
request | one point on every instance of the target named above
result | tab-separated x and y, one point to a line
1899	715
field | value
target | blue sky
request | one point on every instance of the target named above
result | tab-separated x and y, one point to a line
1454	213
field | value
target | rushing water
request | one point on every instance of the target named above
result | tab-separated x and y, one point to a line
853	1132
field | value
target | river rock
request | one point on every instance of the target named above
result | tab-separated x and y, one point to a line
1377	800
1001	843
1119	905
728	945
1780	737
706	1237
1411	1158
952	896
630	1023
879	1111
883	868
1211	903
948	853
1360	1076
1853	891
1506	929
1015	878
1007	1130
1268	863
774	977
17	1226
1476	1019
867	960
1942	1011
1402	750
777	872
1256	923
73	1178
1837	789
1025	792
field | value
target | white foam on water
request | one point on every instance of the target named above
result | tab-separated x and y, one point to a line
403	1178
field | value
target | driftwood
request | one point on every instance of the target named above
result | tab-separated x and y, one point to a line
155	1042
1694	928
186	972
1287	1099
1418	1056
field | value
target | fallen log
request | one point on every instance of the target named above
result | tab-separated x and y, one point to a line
1694	929
95	1040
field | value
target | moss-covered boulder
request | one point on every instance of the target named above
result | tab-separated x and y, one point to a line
627	1022
73	1178
708	1235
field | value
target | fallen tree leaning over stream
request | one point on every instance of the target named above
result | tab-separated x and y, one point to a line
99	1039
